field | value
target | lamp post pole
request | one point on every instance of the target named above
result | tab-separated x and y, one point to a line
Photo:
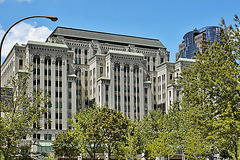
48	17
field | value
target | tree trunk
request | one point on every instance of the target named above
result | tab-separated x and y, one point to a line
235	151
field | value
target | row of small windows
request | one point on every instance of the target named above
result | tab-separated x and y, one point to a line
79	51
47	49
47	72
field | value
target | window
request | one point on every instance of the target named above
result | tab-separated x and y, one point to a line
47	136
69	84
85	51
60	104
75	60
60	115
67	67
162	60
56	115
79	60
69	105
69	115
20	63
94	52
60	94
170	76
101	69
38	136
69	95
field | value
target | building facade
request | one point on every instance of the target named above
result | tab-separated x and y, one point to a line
192	40
80	68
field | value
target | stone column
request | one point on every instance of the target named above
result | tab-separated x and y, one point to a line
122	87
141	92
131	92
64	94
73	101
111	86
53	96
42	83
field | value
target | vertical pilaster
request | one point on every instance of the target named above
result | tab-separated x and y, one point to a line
53	99
122	87
131	93
111	87
73	101
141	92
42	83
64	94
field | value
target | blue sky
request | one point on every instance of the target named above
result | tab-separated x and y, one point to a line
166	20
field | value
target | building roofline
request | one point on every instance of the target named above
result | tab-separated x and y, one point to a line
47	44
15	45
155	42
102	33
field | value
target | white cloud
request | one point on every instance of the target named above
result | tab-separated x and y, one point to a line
21	33
1	1
24	1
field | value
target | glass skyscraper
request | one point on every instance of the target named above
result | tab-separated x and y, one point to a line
192	40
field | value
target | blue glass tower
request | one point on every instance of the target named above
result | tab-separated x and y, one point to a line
192	40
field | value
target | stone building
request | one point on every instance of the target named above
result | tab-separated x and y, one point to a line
80	68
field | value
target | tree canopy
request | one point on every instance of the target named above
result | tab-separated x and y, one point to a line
19	111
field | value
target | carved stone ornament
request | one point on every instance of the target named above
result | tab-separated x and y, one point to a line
42	59
53	60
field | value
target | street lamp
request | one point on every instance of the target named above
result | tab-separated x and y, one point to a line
52	18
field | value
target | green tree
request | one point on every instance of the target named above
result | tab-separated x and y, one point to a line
130	148
87	132
19	112
66	145
148	129
113	127
162	144
210	89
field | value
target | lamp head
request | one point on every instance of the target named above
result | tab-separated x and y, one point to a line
54	19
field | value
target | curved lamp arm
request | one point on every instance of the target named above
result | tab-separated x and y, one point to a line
52	18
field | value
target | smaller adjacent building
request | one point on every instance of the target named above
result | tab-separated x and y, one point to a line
192	40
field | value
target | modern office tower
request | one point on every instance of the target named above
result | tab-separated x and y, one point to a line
79	68
192	40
